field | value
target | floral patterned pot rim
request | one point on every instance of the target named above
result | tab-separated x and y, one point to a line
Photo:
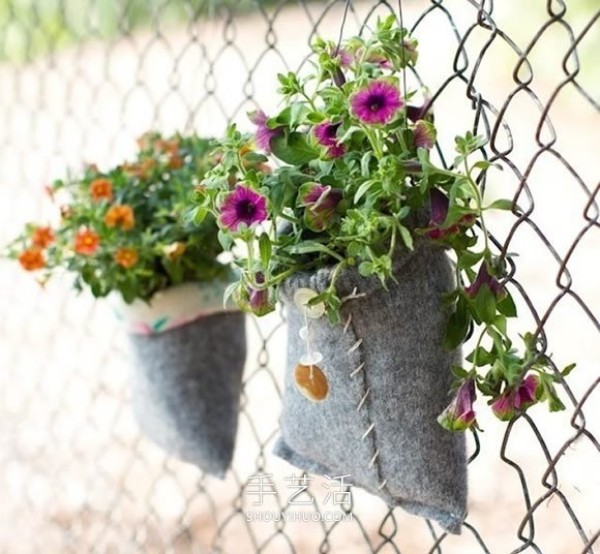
172	307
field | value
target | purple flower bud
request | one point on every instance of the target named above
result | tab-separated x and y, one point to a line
459	415
416	113
424	134
527	392
320	203
439	205
484	278
512	401
260	300
345	59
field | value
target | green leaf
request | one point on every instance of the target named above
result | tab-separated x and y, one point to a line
500	323
311	247
199	214
366	269
483	165
225	240
406	237
468	259
254	158
363	189
458	325
264	246
507	307
229	292
568	370
482	356
364	164
485	304
351	130
293	149
501	204
459	372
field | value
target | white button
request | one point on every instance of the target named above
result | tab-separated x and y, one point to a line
312	358
302	297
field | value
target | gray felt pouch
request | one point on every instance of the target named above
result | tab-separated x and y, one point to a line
186	385
389	378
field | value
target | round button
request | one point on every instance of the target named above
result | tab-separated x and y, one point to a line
301	299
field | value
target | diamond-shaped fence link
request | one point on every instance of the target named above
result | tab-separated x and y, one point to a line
81	79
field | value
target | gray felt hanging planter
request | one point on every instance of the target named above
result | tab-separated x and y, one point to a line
186	386
388	378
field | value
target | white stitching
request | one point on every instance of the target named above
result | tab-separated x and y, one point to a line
366	433
355	346
359	368
348	322
382	484
363	399
375	456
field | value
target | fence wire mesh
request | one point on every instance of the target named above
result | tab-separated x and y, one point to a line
81	79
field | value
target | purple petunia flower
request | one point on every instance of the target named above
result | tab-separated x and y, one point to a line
459	415
484	278
263	134
325	134
512	400
242	205
378	103
320	203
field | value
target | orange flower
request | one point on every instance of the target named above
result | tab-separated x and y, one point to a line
140	169
120	215
145	140
101	189
42	237
32	259
126	257
167	146
174	250
175	161
86	242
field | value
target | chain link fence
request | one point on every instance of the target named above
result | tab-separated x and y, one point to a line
81	79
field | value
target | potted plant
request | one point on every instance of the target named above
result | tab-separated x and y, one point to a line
123	234
350	231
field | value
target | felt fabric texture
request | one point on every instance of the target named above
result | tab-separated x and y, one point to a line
378	423
186	388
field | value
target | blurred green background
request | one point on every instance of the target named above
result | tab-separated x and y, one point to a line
30	28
